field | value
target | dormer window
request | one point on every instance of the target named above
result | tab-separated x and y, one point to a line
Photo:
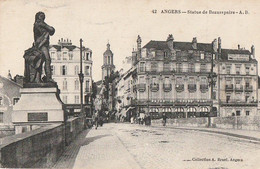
202	56
64	56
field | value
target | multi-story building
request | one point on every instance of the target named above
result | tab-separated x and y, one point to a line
189	79
238	82
9	96
65	69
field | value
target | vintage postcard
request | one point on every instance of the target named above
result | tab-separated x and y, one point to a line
122	84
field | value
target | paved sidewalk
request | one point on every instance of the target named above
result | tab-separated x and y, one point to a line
246	134
97	149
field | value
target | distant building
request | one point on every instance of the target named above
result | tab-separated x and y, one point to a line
175	78
9	96
65	69
108	63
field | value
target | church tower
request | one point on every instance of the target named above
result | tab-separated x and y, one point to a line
108	65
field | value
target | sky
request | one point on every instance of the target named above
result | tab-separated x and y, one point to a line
120	22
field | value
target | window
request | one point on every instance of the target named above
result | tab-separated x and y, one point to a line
141	79
87	56
70	56
228	69
52	70
214	95
1	100
65	84
87	86
1	117
76	70
179	67
15	100
142	67
87	70
154	66
64	70
179	80
165	54
167	80
238	83
52	55
247	113
227	99
65	99
64	55
76	98
76	84
191	80
191	67
238	113
202	56
203	80
166	66
108	60
203	67
247	70
154	81
237	69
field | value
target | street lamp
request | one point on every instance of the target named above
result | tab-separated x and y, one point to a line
212	79
81	79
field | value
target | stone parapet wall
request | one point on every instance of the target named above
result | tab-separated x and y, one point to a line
232	122
39	148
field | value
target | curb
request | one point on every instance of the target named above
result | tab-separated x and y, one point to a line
217	132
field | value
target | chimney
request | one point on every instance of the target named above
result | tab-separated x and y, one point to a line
194	43
9	76
215	46
139	41
253	51
169	41
61	39
238	46
219	45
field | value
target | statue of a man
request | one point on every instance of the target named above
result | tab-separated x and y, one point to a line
42	31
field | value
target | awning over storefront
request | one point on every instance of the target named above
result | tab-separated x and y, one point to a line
191	109
153	110
178	109
166	109
204	109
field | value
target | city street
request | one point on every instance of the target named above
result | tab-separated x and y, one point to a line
134	146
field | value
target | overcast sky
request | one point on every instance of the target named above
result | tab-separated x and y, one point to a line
97	21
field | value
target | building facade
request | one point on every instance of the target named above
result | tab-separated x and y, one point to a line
190	79
9	96
65	69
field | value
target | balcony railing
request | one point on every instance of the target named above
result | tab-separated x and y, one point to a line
229	88
239	88
141	87
167	87
154	87
204	88
179	87
192	87
248	88
237	102
173	102
192	70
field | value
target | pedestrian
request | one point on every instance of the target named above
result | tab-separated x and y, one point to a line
164	117
96	120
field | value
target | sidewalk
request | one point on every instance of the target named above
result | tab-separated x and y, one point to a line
245	134
97	149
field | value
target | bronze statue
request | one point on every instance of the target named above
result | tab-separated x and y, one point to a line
39	53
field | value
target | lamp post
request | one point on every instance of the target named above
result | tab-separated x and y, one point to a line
81	78
212	81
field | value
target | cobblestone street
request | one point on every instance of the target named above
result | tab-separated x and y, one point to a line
134	146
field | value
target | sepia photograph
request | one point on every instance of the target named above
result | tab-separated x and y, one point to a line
141	84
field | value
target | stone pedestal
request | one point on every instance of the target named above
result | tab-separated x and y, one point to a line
38	105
